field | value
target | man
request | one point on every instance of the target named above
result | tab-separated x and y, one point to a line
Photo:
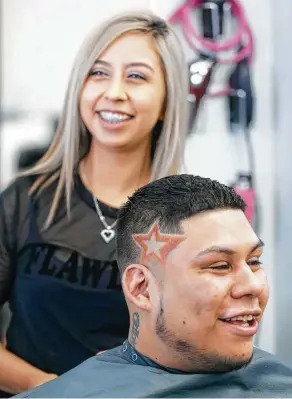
196	292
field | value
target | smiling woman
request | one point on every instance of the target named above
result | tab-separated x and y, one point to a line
123	96
123	124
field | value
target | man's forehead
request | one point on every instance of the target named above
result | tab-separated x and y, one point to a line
226	228
218	219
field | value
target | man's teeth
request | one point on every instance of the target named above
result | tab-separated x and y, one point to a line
113	117
245	318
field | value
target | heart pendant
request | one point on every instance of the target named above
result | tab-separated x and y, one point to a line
107	235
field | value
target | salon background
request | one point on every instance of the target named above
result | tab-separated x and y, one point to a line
241	118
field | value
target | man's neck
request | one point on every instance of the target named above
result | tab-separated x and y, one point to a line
113	175
186	360
155	350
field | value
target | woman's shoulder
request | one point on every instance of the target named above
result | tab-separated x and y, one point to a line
19	186
14	200
17	194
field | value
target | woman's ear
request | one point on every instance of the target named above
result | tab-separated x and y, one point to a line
135	281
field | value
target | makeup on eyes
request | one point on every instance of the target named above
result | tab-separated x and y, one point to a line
133	75
130	68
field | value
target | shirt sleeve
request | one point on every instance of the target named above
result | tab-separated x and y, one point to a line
9	209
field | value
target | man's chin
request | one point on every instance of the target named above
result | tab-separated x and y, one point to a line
224	364
205	363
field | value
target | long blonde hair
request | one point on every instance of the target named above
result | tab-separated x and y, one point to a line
71	140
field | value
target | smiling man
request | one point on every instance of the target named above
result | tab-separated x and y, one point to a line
196	292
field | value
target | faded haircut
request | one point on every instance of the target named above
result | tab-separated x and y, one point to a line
168	201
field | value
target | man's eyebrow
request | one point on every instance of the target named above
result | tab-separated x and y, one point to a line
131	64
225	250
259	244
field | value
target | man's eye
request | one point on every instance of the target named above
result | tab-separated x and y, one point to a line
255	262
220	267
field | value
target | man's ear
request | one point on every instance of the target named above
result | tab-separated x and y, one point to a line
136	281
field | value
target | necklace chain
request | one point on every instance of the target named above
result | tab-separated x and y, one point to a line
107	233
100	215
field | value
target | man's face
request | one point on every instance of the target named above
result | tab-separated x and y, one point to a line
211	277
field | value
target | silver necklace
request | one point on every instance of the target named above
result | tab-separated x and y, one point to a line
107	233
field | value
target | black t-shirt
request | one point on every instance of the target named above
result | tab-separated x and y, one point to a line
62	284
124	373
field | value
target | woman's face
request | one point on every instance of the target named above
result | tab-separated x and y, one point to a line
123	97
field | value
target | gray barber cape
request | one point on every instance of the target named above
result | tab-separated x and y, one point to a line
124	373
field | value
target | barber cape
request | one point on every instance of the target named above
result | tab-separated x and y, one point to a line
124	373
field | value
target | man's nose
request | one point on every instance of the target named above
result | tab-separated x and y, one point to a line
249	283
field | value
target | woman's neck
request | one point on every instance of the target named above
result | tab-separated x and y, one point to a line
113	175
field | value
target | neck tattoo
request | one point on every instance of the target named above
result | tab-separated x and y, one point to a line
135	329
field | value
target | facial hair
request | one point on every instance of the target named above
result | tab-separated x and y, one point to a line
198	360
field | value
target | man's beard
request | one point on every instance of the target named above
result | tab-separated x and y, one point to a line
198	360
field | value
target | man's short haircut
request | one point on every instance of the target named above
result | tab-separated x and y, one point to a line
168	201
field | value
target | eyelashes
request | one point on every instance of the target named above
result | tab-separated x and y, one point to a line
132	75
226	266
137	76
97	73
220	267
255	263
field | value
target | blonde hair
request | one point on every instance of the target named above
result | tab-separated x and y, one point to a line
71	140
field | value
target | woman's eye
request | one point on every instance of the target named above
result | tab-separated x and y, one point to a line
136	76
98	72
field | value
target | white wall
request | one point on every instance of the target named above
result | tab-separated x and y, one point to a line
283	178
40	41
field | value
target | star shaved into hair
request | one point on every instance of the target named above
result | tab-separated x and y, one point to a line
155	245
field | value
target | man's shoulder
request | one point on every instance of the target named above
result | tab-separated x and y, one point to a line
89	379
111	375
267	373
261	357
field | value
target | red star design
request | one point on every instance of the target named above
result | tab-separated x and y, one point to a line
155	245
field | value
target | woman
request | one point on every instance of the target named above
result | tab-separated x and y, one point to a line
123	124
